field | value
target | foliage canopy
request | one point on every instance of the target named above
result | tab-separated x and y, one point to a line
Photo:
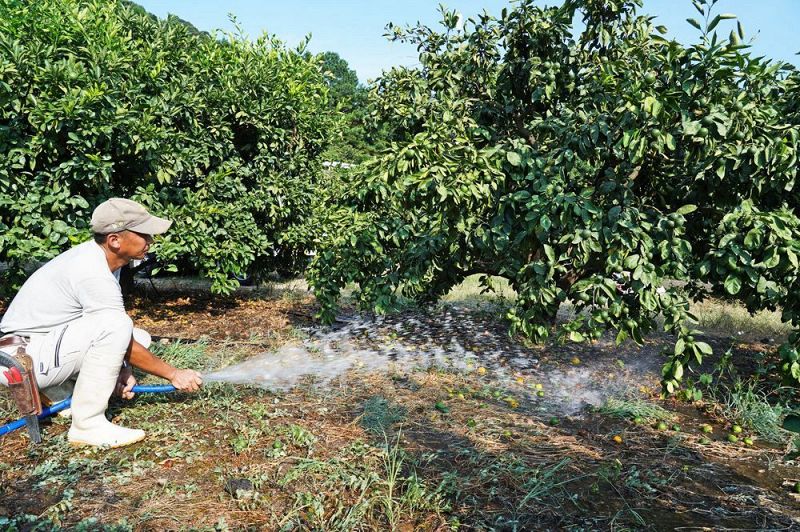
218	132
596	168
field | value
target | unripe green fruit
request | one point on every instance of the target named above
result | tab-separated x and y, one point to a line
703	133
736	429
732	438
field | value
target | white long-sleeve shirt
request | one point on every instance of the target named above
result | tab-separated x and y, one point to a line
73	284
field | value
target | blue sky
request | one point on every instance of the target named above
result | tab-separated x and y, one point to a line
354	28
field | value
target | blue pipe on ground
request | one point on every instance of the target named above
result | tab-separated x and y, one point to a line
63	405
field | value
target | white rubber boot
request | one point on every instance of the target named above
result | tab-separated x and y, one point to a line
96	381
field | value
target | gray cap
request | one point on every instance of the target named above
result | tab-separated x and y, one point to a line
119	214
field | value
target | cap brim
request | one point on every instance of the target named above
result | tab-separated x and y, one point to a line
152	226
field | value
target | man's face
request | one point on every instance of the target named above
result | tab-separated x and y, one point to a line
133	245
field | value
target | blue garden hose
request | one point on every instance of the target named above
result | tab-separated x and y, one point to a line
63	405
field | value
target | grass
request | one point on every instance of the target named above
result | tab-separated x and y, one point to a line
380	415
471	293
744	403
734	320
633	408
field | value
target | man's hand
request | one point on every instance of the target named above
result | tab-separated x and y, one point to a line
125	383
187	380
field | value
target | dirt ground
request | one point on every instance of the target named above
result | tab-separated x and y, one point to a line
464	428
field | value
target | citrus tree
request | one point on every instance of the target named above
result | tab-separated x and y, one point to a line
220	133
598	167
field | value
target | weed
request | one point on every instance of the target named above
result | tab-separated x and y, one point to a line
745	404
540	483
634	408
185	355
379	415
245	438
300	436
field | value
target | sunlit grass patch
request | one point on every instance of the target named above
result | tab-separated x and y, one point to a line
634	408
471	292
734	320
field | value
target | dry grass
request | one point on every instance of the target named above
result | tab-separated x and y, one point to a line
470	292
730	319
715	316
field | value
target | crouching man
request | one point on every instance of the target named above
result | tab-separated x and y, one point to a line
70	318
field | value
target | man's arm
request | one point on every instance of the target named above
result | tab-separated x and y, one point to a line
185	380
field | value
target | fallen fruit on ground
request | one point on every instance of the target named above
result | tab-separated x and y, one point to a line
510	401
617	439
638	420
748	441
661	426
796	488
575	361
554	421
736	429
540	393
732	438
481	371
708	429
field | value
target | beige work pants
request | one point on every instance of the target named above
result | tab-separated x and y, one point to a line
58	355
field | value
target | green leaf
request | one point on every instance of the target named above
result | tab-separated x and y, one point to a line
753	239
677	370
686	209
576	337
733	284
680	345
514	158
694	23
703	348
